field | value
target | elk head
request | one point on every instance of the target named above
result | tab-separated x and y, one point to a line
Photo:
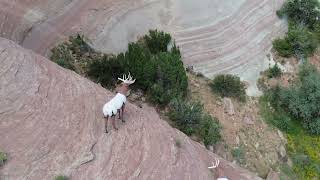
126	81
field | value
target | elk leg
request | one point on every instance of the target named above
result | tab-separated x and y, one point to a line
122	110
106	123
113	119
119	111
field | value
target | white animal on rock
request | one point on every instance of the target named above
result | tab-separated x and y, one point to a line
111	108
117	103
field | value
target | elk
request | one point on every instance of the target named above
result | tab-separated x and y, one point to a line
117	103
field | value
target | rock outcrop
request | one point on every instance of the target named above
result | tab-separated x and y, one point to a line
215	36
51	123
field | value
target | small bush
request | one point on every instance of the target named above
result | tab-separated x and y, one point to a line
105	71
298	42
72	53
78	45
228	86
62	56
283	47
238	154
3	158
209	130
274	71
282	122
157	41
190	119
186	115
61	177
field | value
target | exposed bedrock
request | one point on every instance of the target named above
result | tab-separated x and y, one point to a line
215	36
51	123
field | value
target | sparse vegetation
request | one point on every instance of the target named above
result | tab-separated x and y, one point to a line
61	177
3	158
190	119
299	42
209	130
186	115
227	85
274	71
238	154
301	99
295	110
73	54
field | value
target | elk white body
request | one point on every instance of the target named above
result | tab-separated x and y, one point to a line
117	104
111	108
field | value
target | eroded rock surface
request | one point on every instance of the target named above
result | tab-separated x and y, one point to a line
215	36
51	123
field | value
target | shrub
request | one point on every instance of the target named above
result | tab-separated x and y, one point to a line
313	126
186	115
238	154
302	41
105	71
209	130
298	42
61	177
78	45
304	12
171	79
70	54
161	75
190	119
300	100
282	122
228	86
283	47
3	158
62	56
157	41
303	34
274	71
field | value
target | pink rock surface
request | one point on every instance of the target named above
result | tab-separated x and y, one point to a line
51	123
215	36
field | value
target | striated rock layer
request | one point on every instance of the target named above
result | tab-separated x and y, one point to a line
51	123
215	36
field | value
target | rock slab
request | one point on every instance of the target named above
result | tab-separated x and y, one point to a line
51	124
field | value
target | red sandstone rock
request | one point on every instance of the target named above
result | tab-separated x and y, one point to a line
51	123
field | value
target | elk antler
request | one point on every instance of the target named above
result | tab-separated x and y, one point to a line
215	165
127	80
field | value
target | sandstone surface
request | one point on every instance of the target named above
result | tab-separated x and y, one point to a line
51	123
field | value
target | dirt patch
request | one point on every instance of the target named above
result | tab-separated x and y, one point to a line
315	60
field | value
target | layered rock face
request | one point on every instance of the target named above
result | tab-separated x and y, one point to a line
51	123
215	36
